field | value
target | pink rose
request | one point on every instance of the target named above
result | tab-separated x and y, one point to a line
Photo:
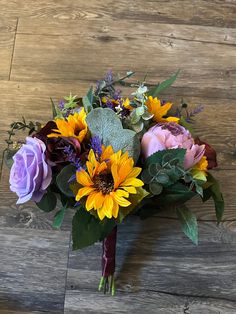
172	135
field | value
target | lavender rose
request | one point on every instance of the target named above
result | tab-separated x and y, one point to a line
30	174
172	135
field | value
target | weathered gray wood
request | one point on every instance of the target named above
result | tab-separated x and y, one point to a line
158	266
33	268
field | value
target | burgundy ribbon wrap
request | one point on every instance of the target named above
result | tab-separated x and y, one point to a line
109	254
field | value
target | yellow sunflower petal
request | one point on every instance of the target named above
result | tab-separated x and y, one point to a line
133	182
115	210
83	178
130	189
122	193
172	119
83	192
108	206
134	172
98	200
90	201
101	213
120	200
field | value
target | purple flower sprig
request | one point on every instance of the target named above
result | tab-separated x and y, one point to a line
96	145
188	115
72	158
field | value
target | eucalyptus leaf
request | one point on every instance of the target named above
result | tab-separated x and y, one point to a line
159	157
188	223
63	178
146	176
104	123
162	178
155	188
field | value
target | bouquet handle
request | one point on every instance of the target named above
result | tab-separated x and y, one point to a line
107	282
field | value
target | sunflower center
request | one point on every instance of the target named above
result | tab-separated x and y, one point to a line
77	131
104	183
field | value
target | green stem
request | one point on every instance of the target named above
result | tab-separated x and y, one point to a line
107	284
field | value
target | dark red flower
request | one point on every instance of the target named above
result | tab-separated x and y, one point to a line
210	153
59	149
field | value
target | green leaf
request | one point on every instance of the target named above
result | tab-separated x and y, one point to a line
155	91
88	100
155	188
146	176
214	191
63	178
8	157
160	156
177	193
104	123
54	112
188	223
48	202
162	178
86	229
135	199
186	125
58	218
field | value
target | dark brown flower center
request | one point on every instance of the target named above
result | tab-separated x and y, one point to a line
104	183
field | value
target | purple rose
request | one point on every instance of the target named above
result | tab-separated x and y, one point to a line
30	174
172	135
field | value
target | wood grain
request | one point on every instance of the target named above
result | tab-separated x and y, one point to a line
200	12
107	27
7	37
33	270
202	64
156	263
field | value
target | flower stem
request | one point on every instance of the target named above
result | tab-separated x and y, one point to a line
107	282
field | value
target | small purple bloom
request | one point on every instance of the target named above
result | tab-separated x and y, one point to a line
109	77
96	145
30	174
61	104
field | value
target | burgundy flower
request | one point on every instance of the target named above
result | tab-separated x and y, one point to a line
210	153
59	149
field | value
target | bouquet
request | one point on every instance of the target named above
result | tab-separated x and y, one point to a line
108	156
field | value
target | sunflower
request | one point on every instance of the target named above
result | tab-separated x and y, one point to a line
159	111
107	182
73	126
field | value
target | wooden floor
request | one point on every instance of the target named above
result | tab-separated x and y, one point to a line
49	48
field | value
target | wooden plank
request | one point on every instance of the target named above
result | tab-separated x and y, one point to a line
157	267
33	270
7	37
221	13
64	58
32	101
106	28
